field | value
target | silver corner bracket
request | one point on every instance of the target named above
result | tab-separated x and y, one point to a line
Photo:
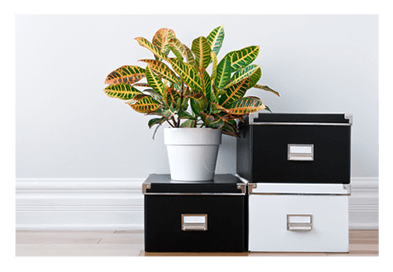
349	116
145	186
252	116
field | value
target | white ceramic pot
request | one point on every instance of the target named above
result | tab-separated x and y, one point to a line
192	152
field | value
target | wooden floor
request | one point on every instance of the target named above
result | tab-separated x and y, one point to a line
130	243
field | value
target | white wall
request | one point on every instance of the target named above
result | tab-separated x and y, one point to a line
67	128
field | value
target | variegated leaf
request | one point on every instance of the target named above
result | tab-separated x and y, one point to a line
243	73
230	128
153	94
235	92
176	53
154	49
207	86
145	104
212	121
214	69
243	57
201	48
245	106
179	47
185	115
266	88
198	103
161	69
187	73
156	121
255	77
216	108
161	39
223	73
123	91
190	56
188	124
141	84
154	81
171	97
216	38
125	74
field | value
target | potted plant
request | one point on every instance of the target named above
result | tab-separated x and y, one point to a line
198	106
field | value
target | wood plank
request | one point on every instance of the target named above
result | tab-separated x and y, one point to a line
130	243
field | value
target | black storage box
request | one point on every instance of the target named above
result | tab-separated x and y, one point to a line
295	148
200	216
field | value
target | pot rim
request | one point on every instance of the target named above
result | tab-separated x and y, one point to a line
180	128
192	136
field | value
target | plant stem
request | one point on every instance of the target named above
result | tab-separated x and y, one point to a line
174	121
170	123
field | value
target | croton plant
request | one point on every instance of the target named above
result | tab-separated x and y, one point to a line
180	90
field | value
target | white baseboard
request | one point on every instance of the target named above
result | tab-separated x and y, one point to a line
79	204
364	203
117	204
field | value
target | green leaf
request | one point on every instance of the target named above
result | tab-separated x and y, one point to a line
187	73
177	53
230	128
153	94
207	86
215	108
214	69
185	115
266	88
190	56
187	123
267	108
243	57
176	46
243	73
245	106
125	74
156	121
122	91
161	39
162	70
212	121
171	97
154	81
223	73
216	38
145	104
255	77
198	103
235	92
201	48
154	49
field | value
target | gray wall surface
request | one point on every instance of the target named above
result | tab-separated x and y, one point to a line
67	127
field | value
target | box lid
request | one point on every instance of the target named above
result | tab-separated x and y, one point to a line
299	118
298	189
222	184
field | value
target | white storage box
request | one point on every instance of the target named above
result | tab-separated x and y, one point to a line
298	217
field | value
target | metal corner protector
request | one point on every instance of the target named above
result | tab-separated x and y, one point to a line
241	186
349	116
252	116
145	186
250	187
348	188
